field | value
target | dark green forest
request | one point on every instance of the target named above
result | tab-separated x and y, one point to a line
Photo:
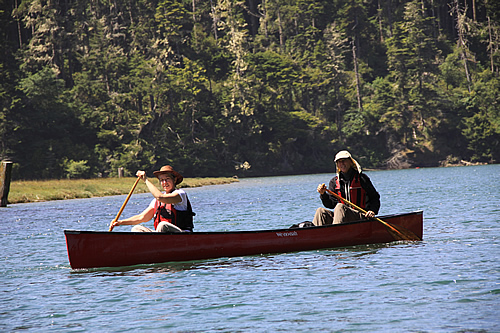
246	87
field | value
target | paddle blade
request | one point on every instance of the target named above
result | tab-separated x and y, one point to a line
400	233
397	232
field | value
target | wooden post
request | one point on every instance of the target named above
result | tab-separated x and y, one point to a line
5	176
120	172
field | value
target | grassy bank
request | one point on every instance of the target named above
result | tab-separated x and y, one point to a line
46	190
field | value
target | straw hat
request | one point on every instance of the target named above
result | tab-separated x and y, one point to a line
168	169
345	154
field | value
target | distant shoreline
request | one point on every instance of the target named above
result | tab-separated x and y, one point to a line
28	191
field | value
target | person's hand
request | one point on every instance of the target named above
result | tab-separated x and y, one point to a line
141	174
321	189
115	223
369	214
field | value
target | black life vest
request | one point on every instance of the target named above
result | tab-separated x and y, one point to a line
167	213
356	195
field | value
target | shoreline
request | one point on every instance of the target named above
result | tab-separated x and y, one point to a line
30	191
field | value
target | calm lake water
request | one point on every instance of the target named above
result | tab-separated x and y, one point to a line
449	282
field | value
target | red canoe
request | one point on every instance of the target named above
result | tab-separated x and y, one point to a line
92	249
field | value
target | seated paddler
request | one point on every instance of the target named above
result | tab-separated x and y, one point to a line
352	184
170	210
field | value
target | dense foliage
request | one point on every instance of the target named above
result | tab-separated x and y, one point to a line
247	87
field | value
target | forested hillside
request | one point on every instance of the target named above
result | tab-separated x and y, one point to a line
254	87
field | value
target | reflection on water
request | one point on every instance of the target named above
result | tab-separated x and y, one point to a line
138	270
267	261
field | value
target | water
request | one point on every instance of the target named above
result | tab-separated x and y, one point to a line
450	282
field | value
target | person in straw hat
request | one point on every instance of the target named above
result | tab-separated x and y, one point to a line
352	184
171	209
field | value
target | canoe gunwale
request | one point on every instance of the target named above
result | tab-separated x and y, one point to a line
70	231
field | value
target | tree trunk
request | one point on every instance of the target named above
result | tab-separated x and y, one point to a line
389	18
379	11
194	11
214	20
474	10
462	42
358	84
263	13
280	30
19	29
491	46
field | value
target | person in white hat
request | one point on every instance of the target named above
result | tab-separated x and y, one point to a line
171	209
352	184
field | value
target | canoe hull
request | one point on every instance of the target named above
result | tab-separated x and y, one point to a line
92	249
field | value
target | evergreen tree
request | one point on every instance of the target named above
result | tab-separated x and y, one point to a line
250	87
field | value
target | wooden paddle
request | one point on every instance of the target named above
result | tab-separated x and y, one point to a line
124	204
398	232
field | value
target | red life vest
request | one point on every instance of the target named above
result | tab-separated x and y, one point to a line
169	213
356	195
179	218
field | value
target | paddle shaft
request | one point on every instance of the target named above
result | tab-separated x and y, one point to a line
361	209
124	204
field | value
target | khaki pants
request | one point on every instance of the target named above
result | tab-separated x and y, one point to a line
162	227
341	214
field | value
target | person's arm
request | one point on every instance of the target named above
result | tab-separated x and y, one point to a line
372	196
145	216
167	198
329	201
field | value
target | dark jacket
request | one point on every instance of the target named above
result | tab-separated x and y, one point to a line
372	196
